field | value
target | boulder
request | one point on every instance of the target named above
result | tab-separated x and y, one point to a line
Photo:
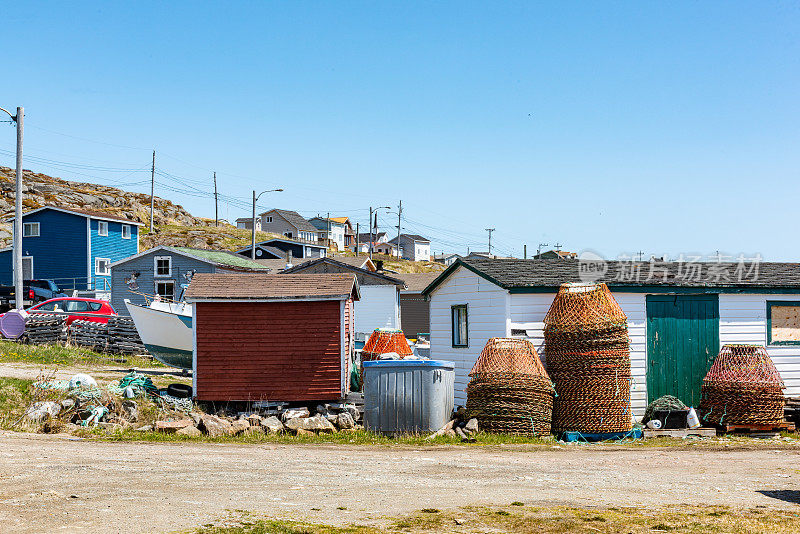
171	427
240	425
40	411
301	432
272	425
293	413
312	424
471	426
353	411
190	430
345	421
254	419
194	416
215	426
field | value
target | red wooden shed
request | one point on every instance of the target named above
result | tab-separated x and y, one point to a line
268	337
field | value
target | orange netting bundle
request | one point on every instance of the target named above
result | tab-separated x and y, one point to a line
742	387
510	391
384	340
588	359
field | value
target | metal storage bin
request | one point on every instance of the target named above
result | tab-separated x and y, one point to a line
408	395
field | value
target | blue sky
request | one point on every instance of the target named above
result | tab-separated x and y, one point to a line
663	127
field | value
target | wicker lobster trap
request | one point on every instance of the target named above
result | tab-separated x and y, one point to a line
384	340
509	391
588	359
742	387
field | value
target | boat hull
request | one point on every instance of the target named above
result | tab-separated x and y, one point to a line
166	335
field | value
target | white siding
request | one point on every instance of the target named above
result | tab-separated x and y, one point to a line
528	311
378	308
743	319
488	310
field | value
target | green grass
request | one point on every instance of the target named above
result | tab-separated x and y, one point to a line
14	398
540	520
68	355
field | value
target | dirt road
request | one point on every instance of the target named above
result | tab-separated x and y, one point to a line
57	483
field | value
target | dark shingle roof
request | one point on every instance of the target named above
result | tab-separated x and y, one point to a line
295	219
416	282
364	238
411	237
343	265
519	274
257	286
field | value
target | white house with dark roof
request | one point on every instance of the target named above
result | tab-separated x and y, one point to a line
289	224
679	315
413	247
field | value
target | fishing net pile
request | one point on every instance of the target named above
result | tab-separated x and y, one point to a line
588	359
385	340
509	390
742	387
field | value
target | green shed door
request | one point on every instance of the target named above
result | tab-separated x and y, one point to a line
682	342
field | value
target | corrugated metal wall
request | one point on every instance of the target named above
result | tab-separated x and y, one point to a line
282	351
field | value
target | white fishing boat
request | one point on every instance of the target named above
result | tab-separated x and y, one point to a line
166	330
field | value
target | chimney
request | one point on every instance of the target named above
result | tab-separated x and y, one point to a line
379	266
288	259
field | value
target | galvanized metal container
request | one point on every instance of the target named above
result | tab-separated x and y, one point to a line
408	395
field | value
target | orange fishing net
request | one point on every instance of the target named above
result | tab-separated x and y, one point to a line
510	391
588	359
384	340
742	387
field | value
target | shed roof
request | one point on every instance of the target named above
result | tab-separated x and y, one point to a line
712	277
221	258
261	287
411	237
416	282
342	265
295	219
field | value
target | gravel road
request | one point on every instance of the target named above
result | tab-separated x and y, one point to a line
58	483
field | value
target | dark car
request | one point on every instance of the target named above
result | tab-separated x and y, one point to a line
34	291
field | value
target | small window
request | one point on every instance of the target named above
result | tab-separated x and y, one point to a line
30	229
76	306
48	306
460	326
102	266
94	306
288	234
783	322
268	219
166	290
126	231
102	228
163	266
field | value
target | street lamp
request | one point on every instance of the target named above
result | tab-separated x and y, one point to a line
255	198
371	226
17	240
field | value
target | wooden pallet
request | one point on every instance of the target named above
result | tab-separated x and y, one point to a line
754	429
680	432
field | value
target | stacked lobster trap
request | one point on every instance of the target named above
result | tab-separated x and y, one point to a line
384	341
742	387
588	359
509	390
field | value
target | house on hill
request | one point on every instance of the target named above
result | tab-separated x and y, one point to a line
75	248
679	315
556	255
290	224
413	247
164	270
285	249
331	232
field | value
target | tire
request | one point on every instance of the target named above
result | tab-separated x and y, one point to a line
181	391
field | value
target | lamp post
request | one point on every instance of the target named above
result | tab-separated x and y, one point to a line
255	199
375	226
17	239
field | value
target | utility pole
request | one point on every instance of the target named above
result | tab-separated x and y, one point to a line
370	232
399	215
328	227
19	119
524	252
216	202
152	189
253	234
358	244
490	230
539	248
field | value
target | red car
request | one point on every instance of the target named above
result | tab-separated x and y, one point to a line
77	308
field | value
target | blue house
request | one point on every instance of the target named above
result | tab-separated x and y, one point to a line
75	248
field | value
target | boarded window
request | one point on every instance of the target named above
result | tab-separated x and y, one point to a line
460	325
783	322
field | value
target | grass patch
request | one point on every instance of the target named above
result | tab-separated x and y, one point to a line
68	355
538	520
15	397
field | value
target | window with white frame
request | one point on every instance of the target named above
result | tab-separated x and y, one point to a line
102	228
165	289
126	231
102	266
162	266
30	229
460	332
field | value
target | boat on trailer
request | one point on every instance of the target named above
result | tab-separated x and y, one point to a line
166	330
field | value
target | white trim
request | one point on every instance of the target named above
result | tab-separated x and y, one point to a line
343	362
100	226
37	225
89	254
108	266
62	210
194	352
170	281
275	299
122	231
155	266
